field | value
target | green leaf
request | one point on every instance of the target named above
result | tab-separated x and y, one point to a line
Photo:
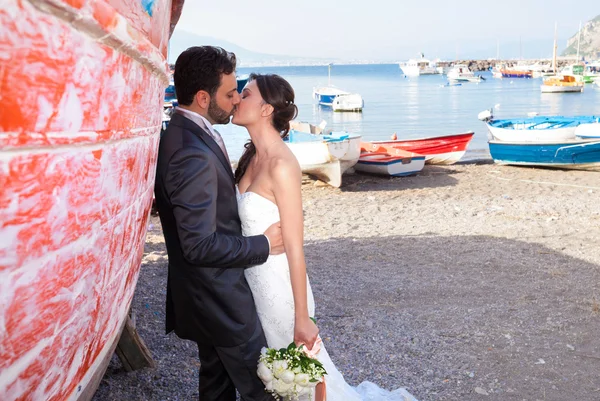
314	320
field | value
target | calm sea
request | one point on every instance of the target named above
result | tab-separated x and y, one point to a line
417	107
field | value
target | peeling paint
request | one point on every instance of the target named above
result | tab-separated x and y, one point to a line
78	148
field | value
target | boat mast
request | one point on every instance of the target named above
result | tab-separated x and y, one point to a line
554	49
578	40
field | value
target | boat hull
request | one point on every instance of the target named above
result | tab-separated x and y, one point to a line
541	128
584	154
78	149
561	89
350	102
390	166
327	160
446	149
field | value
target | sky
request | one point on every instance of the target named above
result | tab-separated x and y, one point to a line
385	29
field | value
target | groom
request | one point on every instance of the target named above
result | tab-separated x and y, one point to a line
208	298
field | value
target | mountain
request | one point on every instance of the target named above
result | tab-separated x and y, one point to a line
589	46
182	40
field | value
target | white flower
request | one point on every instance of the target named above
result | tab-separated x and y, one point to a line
264	373
278	368
281	387
297	370
302	379
300	390
312	384
263	351
269	385
287	376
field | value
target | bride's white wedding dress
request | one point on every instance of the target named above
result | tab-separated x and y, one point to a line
272	291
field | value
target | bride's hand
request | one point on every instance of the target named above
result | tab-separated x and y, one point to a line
305	332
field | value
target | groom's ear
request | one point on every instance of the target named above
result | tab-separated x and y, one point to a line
203	99
267	110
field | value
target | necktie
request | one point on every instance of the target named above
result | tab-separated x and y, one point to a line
219	140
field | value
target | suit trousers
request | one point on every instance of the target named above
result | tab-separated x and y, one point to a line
225	369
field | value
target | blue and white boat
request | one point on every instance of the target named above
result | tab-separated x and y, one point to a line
337	99
326	157
571	154
539	128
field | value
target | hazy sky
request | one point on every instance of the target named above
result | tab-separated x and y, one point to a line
364	29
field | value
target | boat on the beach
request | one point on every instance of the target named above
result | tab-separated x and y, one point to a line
78	148
569	154
446	149
462	73
388	161
324	156
337	99
537	128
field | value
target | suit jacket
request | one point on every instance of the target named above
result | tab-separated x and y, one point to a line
208	298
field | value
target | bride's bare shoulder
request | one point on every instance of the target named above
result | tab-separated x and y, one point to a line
284	164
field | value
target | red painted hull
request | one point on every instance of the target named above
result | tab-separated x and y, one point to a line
438	150
78	147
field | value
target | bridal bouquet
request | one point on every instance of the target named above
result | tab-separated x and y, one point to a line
289	372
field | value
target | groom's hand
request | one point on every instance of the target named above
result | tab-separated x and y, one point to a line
275	238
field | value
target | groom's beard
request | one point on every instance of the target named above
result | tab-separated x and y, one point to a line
217	114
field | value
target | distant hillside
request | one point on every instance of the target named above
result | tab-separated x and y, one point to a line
182	40
590	41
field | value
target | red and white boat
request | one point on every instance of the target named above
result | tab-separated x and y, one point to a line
437	150
79	133
389	161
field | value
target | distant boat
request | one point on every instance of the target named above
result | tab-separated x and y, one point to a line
388	161
327	96
462	73
447	149
592	72
421	66
326	157
571	154
513	72
562	84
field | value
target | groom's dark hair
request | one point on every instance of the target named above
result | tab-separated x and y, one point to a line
200	68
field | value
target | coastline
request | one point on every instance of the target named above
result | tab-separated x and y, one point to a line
462	281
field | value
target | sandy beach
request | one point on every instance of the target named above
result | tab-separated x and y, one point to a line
466	282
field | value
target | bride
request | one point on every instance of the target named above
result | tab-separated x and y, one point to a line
269	189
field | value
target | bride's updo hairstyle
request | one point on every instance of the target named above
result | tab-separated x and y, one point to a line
277	92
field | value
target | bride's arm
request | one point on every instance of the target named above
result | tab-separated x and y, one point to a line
287	181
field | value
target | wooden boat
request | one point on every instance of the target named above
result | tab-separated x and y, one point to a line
570	154
562	84
539	128
446	149
326	157
388	161
78	148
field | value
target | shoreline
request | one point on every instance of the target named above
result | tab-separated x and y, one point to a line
464	281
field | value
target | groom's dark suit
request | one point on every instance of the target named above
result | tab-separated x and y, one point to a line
208	298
